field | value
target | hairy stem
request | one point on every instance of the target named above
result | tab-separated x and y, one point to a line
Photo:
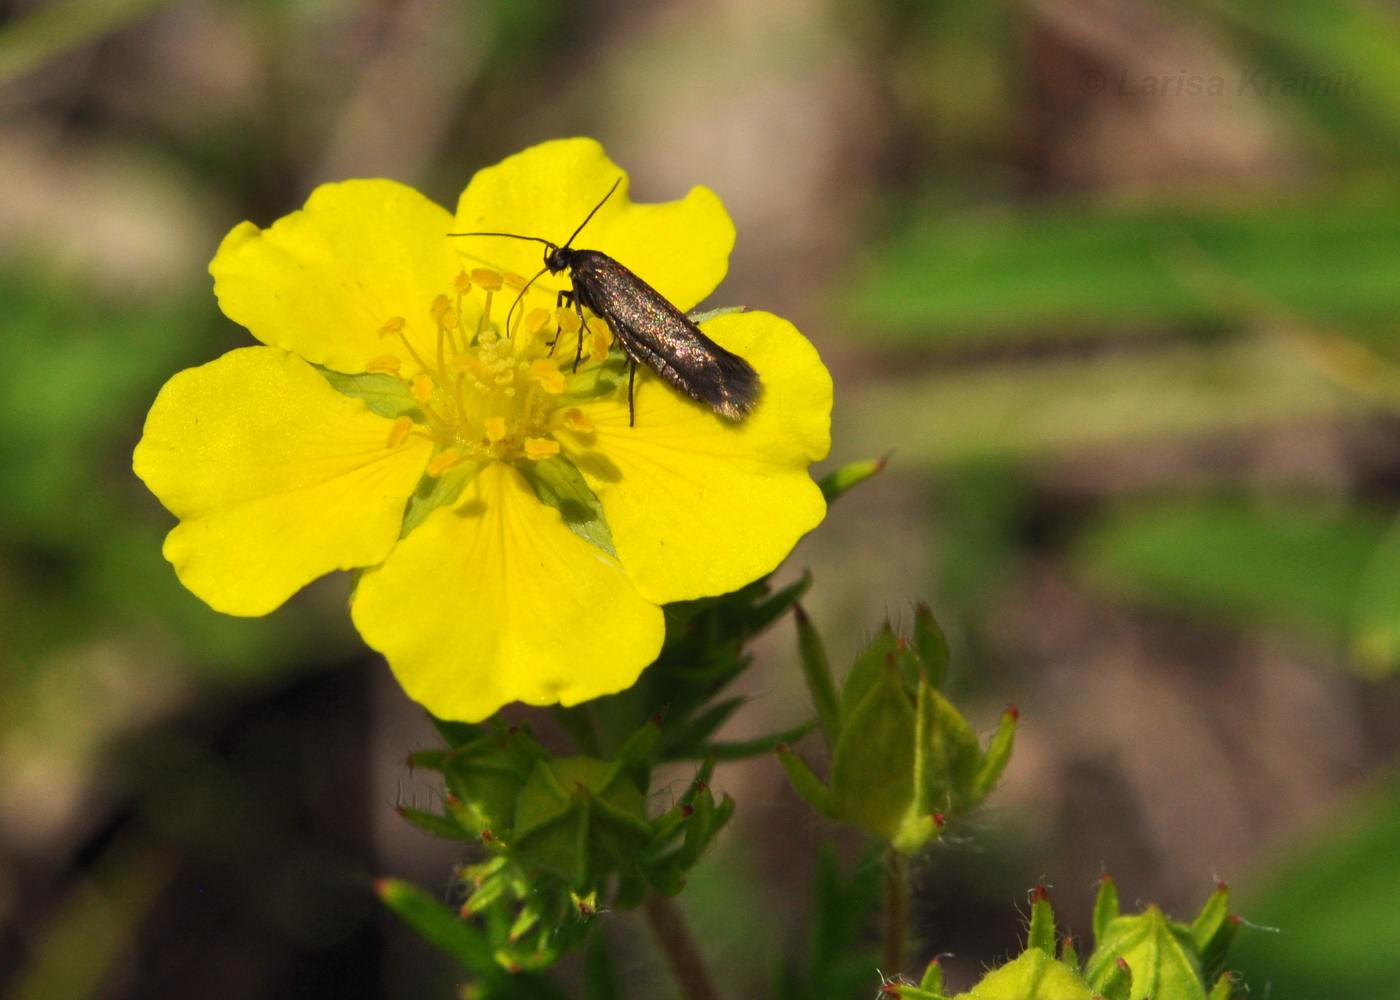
673	936
896	930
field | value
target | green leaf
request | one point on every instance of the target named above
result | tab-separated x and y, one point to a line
560	485
440	926
387	395
743	749
1105	908
807	784
816	670
1291	567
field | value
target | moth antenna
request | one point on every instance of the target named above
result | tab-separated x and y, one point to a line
590	215
511	310
512	236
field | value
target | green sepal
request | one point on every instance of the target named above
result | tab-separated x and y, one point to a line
485	777
1069	954
816	669
947	757
906	992
932	645
807	784
1032	976
1213	932
1118	983
868	667
1224	987
916	830
457	734
1215	953
558	484
385	394
1159	951
838	481
579	816
698	316
1041	933
434	492
437	824
932	979
440	926
998	755
1106	908
635	754
872	767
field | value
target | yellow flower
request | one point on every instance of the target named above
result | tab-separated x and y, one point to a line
393	424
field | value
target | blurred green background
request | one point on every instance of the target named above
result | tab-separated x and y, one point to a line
1117	283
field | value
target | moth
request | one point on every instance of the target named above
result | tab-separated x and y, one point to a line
651	330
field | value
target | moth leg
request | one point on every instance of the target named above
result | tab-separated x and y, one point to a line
582	326
564	296
631	393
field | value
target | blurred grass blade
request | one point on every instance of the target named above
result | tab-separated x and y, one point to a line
34	38
1293	568
1048	272
96	924
1376	634
1329	917
1019	411
1341	40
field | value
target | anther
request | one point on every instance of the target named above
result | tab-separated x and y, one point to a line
568	321
392	326
550	378
489	280
495	429
599	343
539	449
513	280
467	363
462	283
443	462
399	433
575	421
440	305
537	320
422	388
384	363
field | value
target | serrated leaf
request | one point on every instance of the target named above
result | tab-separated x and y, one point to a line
559	484
387	395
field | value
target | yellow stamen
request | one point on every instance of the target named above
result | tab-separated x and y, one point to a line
443	462
392	326
550	378
422	388
495	429
489	280
513	280
440	306
539	449
574	420
599	343
468	363
568	320
384	363
399	433
462	283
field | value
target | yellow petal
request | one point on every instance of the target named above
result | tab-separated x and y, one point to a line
276	478
681	248
322	282
495	600
699	505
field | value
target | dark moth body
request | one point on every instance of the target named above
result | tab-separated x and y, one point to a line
655	333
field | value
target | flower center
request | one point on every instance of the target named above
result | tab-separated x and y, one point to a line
491	391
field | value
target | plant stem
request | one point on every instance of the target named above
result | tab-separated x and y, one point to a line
673	936
896	930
